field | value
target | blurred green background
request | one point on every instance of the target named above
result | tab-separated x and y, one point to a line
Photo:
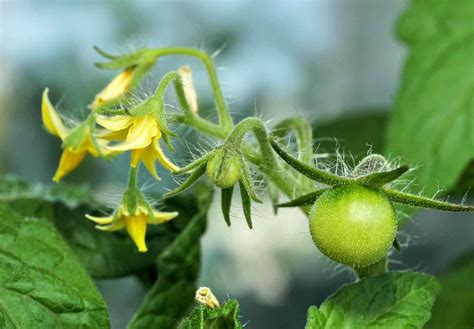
336	63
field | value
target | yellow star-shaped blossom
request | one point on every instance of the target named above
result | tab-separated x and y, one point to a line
134	222
140	135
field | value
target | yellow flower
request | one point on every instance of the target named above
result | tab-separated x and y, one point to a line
140	135
117	88
76	141
134	221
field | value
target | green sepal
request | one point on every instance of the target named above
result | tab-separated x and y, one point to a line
246	181
103	53
141	56
76	137
396	245
134	198
246	204
419	201
143	108
274	193
309	171
226	201
378	179
188	182
196	163
304	200
370	164
167	140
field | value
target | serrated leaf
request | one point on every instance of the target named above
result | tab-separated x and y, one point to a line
432	123
224	317
393	300
178	268
42	285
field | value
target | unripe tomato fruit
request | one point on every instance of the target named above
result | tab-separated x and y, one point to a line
353	225
223	169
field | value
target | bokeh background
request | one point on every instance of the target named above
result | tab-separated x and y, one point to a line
320	59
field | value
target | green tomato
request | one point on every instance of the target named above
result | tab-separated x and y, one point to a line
353	224
223	169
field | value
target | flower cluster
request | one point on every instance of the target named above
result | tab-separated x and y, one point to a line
105	135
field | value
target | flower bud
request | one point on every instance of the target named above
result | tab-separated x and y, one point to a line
223	168
205	296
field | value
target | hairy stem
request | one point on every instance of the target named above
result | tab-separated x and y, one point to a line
225	120
132	177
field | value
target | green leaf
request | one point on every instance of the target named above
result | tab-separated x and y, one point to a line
42	283
454	305
393	300
178	267
224	317
432	123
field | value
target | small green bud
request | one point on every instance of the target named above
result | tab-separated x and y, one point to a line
223	168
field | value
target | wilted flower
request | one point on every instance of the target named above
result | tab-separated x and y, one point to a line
117	88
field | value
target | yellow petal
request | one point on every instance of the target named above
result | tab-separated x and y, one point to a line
162	217
118	87
51	119
135	157
119	135
165	162
188	86
114	226
123	211
116	122
139	135
148	159
136	228
68	162
101	144
100	220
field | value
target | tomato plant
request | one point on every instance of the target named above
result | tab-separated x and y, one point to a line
54	239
